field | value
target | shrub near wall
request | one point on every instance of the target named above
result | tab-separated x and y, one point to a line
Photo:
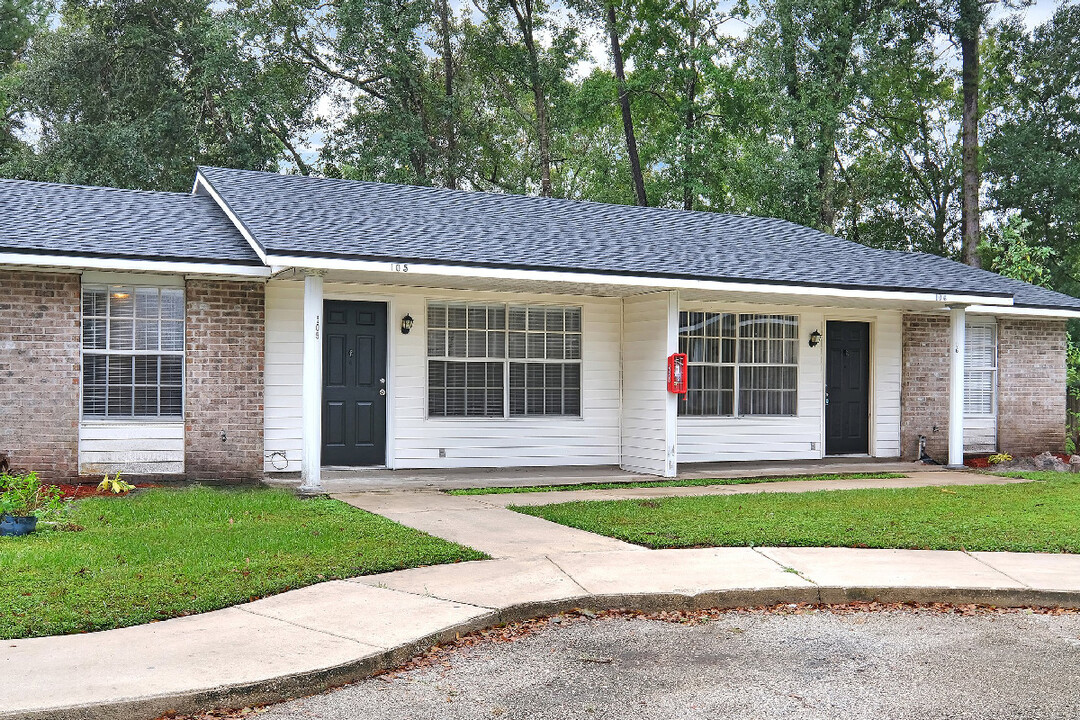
40	368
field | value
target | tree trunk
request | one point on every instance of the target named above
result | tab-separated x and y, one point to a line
624	107
968	32
524	15
449	129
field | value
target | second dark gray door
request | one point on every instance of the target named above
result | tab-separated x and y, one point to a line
847	388
354	383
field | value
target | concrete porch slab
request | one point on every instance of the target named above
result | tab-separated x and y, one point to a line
856	567
496	584
349	480
365	613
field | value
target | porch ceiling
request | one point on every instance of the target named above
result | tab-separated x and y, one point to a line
768	295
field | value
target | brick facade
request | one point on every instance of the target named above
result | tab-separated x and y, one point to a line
924	386
1031	386
224	380
40	361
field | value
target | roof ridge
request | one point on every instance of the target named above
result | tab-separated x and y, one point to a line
106	188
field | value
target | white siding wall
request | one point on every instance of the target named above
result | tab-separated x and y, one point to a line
650	332
703	439
136	448
418	442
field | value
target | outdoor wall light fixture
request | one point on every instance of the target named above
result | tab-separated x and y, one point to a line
406	324
815	338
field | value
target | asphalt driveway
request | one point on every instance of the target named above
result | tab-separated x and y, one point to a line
899	664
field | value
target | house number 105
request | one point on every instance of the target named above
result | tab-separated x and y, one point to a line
399	267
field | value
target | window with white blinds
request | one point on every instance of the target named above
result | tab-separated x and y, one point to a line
739	364
980	368
494	360
133	352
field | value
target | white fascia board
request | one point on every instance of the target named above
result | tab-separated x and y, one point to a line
202	182
77	264
628	280
1024	311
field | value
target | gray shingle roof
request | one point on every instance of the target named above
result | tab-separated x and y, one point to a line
73	220
304	216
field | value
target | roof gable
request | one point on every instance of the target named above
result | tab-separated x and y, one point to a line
296	216
79	221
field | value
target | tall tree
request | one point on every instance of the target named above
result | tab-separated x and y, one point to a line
131	94
529	73
612	22
813	51
970	16
1032	148
20	20
901	168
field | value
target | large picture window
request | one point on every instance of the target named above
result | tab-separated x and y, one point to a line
488	360
739	364
980	368
133	351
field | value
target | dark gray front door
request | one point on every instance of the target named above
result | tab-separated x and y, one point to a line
354	383
847	388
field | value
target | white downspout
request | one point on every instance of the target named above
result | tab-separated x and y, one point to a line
957	323
311	456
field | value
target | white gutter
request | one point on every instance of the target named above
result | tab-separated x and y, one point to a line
163	266
1024	311
626	280
202	182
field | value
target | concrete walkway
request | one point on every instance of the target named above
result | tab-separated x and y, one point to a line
350	480
306	640
483	522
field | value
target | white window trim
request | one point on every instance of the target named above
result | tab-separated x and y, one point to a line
506	416
105	281
736	365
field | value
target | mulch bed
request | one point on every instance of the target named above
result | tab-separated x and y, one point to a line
78	491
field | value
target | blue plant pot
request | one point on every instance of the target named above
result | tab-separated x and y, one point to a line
12	526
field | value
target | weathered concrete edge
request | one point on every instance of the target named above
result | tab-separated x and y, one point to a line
286	687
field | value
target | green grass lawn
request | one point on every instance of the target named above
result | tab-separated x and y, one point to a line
1042	516
164	553
667	483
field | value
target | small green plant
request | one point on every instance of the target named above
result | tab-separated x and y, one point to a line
115	485
999	458
23	495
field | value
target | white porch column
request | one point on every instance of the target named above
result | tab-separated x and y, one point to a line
311	457
649	411
957	327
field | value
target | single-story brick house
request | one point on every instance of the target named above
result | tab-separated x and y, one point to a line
269	323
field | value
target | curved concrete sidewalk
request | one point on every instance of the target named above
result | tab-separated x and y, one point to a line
302	641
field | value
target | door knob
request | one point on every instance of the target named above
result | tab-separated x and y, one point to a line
382	381
382	391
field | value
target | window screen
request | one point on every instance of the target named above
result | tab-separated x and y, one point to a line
489	360
133	351
980	369
739	364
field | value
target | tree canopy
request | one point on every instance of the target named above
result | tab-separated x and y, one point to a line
846	115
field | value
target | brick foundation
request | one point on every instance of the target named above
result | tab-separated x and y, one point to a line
40	370
224	381
1031	386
